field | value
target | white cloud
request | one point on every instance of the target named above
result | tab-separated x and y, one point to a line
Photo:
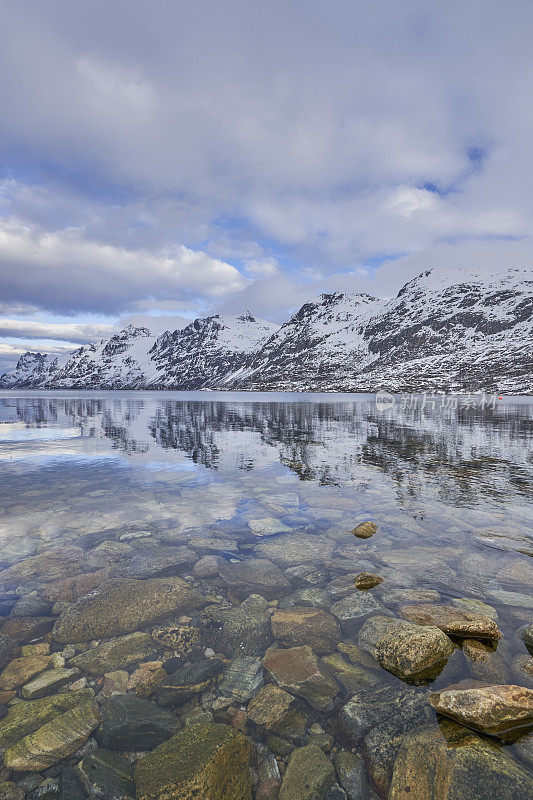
150	146
63	271
65	332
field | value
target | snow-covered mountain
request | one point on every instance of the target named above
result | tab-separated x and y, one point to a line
468	334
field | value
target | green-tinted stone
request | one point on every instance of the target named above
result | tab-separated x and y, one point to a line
26	717
202	761
308	776
113	655
53	741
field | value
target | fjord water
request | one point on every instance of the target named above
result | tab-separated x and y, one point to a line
127	475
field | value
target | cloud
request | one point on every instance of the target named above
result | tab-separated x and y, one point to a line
64	332
62	271
205	154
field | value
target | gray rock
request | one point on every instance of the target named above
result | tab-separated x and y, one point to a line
335	792
188	681
107	775
131	723
369	708
312	596
70	785
527	637
296	548
308	776
254	575
242	679
155	562
236	631
354	608
351	774
31	605
48	682
522	670
117	654
307	575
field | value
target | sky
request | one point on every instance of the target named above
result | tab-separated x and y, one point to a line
168	159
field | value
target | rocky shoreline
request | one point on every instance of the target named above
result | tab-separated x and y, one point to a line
286	674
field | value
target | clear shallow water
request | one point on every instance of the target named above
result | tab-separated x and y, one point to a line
450	488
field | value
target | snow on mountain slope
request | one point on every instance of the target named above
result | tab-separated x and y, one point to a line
434	335
122	361
461	333
208	352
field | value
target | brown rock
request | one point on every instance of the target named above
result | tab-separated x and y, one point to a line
367	580
414	653
484	663
21	670
24	629
493	709
268	789
115	682
71	589
125	605
453	621
365	530
147	678
276	711
298	671
302	625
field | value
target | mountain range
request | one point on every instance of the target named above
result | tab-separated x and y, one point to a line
465	335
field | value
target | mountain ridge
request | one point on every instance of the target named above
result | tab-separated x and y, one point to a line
469	334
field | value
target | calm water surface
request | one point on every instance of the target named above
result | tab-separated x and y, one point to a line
450	489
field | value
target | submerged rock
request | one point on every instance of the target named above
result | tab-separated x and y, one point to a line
24	629
308	776
527	637
9	649
236	631
475	606
188	681
414	653
296	548
306	575
427	768
132	723
183	639
242	679
276	711
298	671
351	774
365	530
54	740
203	761
493	709
351	676
352	610
112	655
107	775
48	682
301	625
123	606
254	575
369	708
367	580
28	716
453	621
522	670
22	669
484	663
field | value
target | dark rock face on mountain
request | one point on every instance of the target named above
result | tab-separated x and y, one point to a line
435	335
